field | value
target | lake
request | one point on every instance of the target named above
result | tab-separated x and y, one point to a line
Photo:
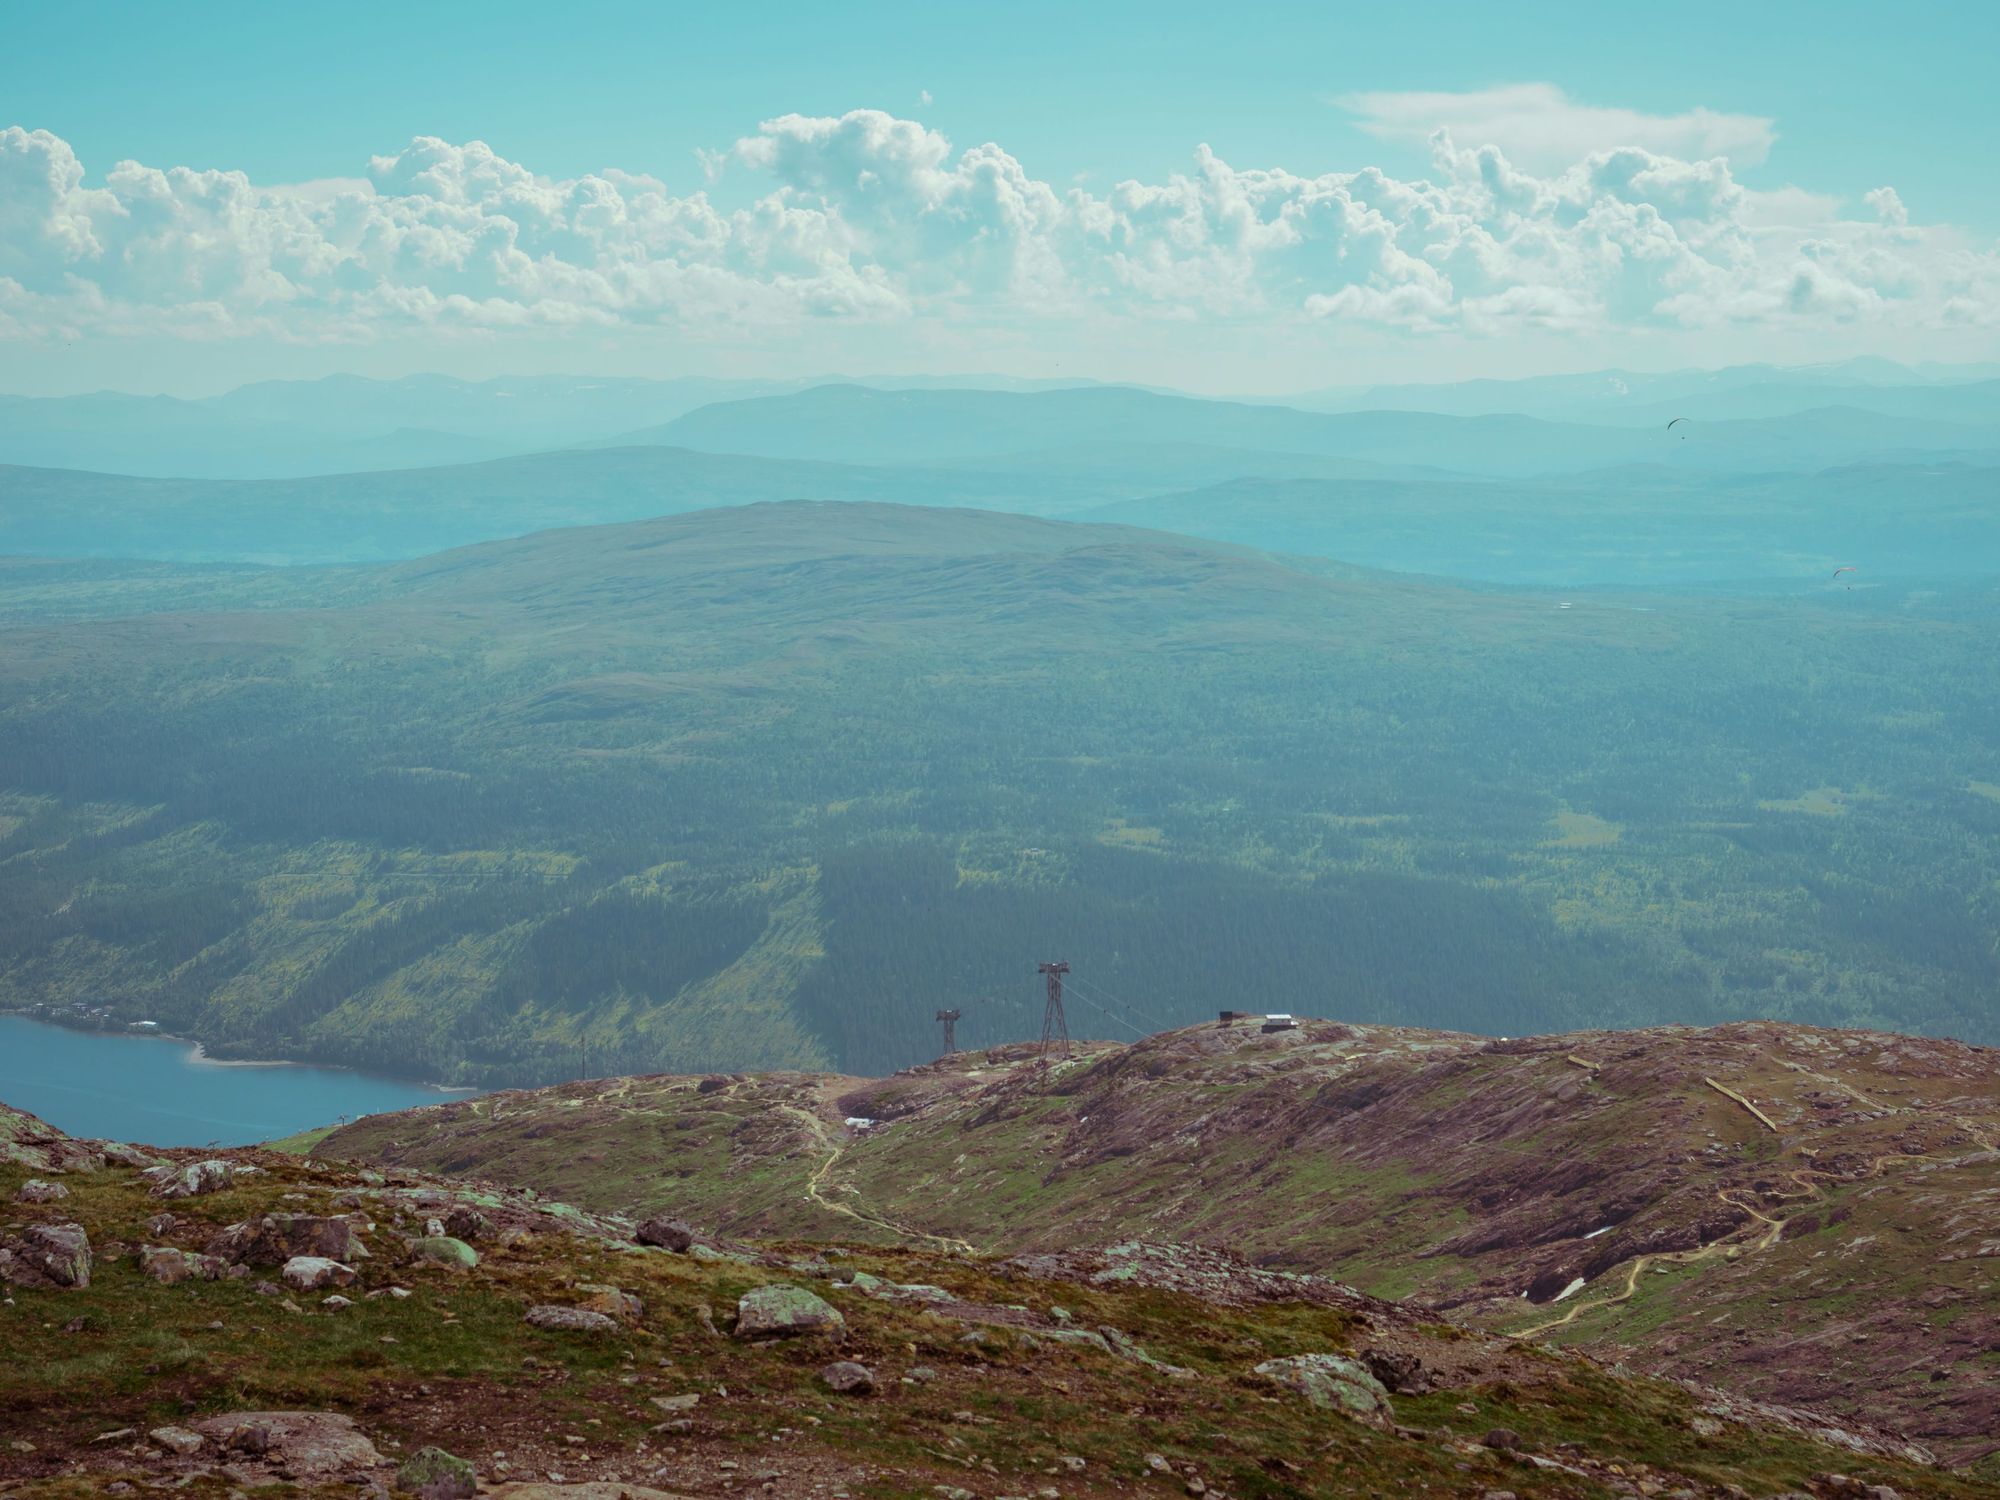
157	1091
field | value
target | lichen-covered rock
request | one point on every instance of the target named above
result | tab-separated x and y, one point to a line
118	1154
848	1378
34	1190
444	1250
570	1319
783	1311
52	1255
309	1273
1333	1382
192	1180
26	1141
433	1474
275	1238
170	1266
665	1232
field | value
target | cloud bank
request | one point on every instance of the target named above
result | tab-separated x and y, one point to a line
1541	127
868	218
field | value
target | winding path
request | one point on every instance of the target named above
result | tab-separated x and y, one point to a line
835	1148
1774	1228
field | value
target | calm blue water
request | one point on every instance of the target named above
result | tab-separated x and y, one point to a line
150	1089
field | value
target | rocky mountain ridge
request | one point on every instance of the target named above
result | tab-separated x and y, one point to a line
1806	1216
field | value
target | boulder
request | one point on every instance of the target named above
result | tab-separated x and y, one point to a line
443	1250
570	1319
276	1238
1333	1382
1400	1371
667	1233
56	1254
192	1180
170	1266
782	1311
118	1154
34	1190
848	1378
301	1445
1503	1438
433	1474
309	1273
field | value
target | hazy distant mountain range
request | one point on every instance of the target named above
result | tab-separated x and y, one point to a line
289	429
1901	477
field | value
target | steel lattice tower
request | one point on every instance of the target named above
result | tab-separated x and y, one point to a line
1055	1029
947	1018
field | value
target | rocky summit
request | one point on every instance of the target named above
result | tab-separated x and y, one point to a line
1802	1217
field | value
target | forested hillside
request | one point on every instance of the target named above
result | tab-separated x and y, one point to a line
768	785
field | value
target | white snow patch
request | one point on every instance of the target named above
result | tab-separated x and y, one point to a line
1596	1232
857	1122
1571	1290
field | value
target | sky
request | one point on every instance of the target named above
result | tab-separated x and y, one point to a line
1260	197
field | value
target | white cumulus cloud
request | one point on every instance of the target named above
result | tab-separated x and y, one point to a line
868	218
1540	126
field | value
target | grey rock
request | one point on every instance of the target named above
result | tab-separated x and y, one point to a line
444	1250
276	1238
307	1445
52	1254
308	1273
665	1232
848	1378
192	1180
783	1311
34	1190
570	1319
1333	1382
177	1440
170	1266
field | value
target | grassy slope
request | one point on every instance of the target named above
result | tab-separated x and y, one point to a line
453	1365
1408	1164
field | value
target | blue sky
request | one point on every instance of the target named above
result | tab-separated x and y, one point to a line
1814	107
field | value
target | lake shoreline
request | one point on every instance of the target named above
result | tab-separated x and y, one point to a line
96	1081
199	1055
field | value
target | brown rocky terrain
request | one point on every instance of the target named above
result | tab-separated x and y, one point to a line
256	1322
1808	1217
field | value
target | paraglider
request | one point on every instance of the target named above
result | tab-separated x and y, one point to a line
1849	568
1675	423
